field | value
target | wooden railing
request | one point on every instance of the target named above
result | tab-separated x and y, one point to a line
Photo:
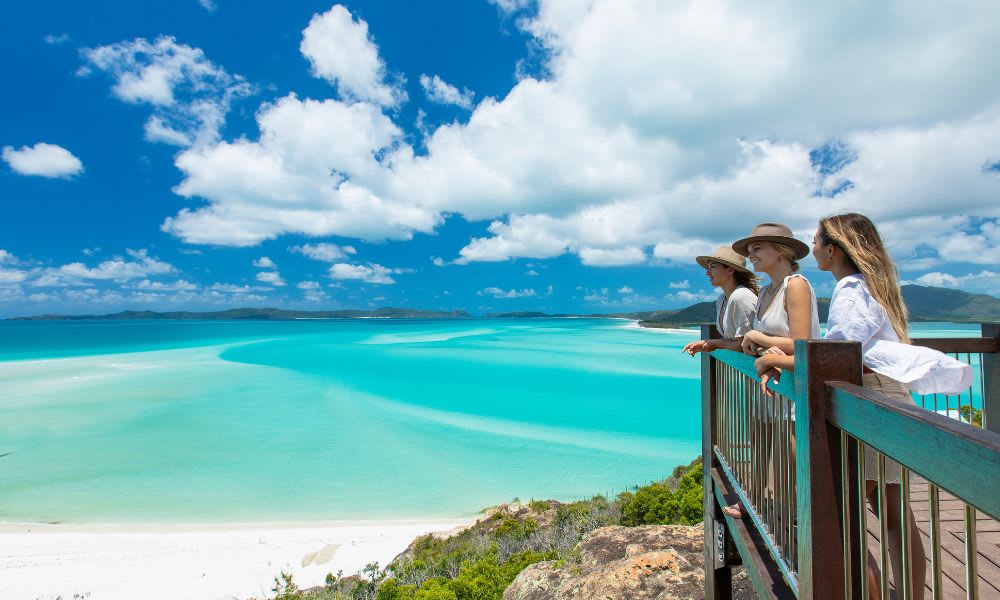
793	461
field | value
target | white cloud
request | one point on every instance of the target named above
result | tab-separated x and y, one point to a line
655	121
117	269
230	288
507	294
12	276
208	5
180	285
6	257
54	40
440	91
264	263
438	261
44	160
373	273
323	252
625	290
308	285
680	285
985	281
531	273
341	51
603	257
690	297
272	277
190	95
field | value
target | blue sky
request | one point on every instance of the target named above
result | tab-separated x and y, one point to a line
491	156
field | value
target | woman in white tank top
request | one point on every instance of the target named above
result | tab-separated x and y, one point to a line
786	307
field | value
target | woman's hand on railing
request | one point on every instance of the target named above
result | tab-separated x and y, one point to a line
749	344
699	346
769	367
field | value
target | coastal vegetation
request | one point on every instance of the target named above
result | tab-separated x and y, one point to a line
481	561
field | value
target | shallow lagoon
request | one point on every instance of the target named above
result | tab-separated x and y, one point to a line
152	421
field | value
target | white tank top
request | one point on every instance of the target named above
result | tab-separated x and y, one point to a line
774	322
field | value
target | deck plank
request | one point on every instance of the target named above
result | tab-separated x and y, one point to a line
952	542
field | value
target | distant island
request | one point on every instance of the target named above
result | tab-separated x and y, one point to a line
924	303
260	314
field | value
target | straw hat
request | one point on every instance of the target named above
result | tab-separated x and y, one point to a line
772	232
726	256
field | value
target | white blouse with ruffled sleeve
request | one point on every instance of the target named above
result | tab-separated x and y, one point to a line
856	316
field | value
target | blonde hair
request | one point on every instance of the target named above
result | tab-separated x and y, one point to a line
857	236
788	253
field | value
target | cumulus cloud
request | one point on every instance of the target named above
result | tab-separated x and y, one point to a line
654	121
172	286
507	294
373	273
138	264
323	252
208	5
272	277
190	95
43	160
680	285
983	281
230	288
6	257
341	51
264	263
308	285
625	290
687	297
442	92
54	40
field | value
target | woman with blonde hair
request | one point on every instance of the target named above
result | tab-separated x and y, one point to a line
734	307
867	306
786	306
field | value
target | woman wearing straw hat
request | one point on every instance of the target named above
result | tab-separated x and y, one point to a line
786	311
867	306
786	306
734	308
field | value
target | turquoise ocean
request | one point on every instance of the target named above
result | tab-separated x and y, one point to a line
247	421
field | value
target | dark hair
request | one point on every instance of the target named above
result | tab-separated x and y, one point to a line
747	280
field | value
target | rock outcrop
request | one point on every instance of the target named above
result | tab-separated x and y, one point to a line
623	563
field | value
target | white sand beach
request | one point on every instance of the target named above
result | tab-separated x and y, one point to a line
182	562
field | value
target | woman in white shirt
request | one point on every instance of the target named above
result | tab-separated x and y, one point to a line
867	306
735	306
786	306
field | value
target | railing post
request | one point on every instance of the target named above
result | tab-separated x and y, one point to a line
718	580
991	381
818	466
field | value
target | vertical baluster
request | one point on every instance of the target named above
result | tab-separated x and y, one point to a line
905	586
845	512
862	520
883	529
971	575
772	474
935	531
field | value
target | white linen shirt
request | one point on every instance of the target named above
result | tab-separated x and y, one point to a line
856	316
735	317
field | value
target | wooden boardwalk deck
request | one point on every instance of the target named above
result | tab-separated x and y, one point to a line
952	542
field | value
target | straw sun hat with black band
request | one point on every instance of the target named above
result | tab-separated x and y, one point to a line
726	256
772	232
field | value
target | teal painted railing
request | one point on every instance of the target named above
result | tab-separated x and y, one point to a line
790	460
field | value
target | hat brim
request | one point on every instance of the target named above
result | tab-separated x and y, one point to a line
799	248
705	260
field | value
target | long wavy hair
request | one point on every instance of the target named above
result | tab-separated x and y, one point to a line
857	236
747	280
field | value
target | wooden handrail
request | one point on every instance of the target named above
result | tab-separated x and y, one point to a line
955	455
961	345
